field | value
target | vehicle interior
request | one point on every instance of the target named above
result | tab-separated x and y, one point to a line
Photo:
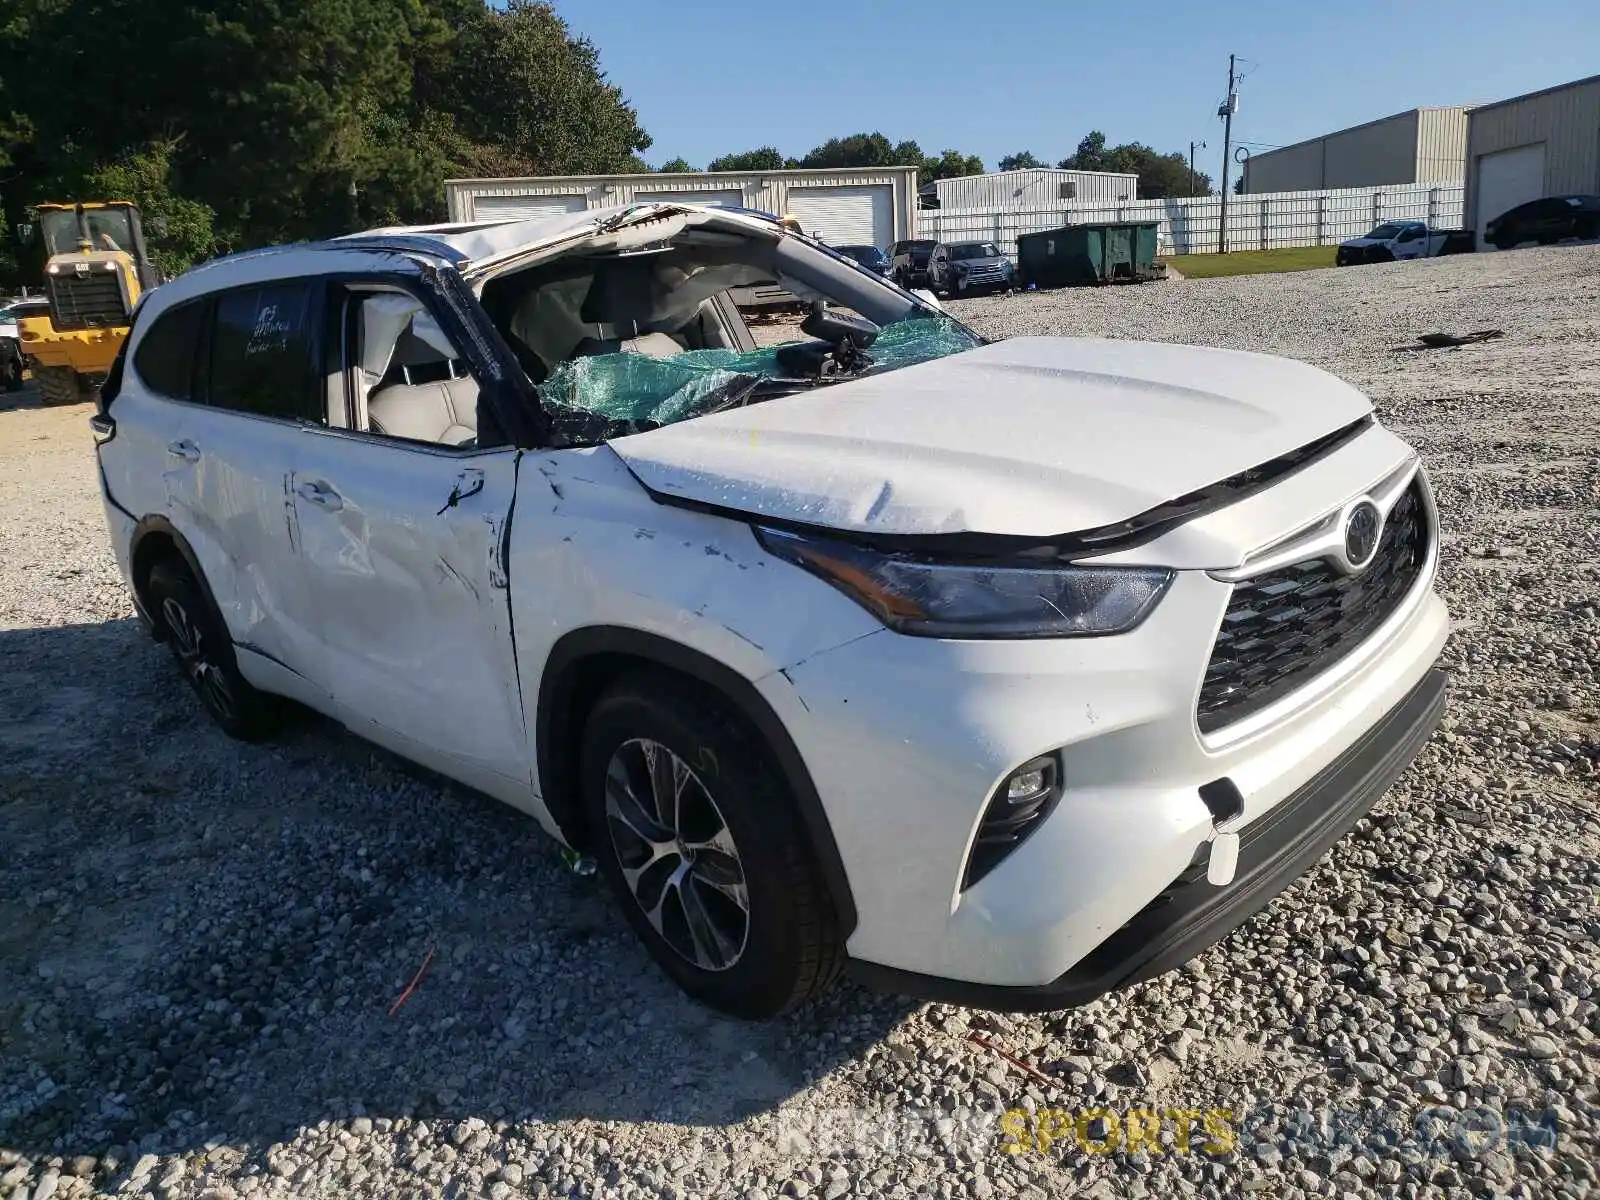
642	328
406	379
626	332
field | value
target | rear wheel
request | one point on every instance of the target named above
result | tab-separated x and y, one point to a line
199	641
11	373
698	837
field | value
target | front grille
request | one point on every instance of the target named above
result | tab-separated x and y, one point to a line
1285	627
89	301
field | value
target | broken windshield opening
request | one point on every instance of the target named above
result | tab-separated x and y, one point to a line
643	391
619	341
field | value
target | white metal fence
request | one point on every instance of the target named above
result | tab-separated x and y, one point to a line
1270	221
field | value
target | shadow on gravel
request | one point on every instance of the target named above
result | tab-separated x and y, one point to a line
203	942
28	397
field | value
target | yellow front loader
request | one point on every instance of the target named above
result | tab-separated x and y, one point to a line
97	268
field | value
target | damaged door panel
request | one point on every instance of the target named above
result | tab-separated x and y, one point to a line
405	544
224	479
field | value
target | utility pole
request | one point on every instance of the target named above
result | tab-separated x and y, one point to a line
1229	107
1192	146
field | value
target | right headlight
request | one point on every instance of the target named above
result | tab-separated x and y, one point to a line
962	600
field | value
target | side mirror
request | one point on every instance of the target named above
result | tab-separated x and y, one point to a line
928	298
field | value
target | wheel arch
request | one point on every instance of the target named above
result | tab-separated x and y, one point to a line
156	540
585	661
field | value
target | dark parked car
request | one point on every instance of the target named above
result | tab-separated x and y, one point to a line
870	257
967	268
1546	221
911	262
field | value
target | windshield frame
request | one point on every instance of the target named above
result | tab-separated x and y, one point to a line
65	230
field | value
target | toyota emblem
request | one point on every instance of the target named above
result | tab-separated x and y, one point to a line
1362	529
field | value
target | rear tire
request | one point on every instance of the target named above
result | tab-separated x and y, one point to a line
195	633
717	881
11	370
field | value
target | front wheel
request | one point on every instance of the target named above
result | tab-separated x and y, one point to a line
11	373
699	839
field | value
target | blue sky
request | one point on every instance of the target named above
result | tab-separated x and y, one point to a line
714	76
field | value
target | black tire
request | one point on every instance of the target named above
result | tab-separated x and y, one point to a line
61	385
790	949
199	641
11	371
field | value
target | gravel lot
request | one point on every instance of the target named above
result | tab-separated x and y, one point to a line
201	942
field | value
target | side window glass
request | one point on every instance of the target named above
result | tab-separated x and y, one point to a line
165	361
261	353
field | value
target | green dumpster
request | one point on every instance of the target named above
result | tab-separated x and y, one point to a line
1106	252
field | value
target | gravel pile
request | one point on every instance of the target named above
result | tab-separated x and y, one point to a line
205	948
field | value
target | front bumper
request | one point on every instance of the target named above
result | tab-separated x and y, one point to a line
905	739
1191	914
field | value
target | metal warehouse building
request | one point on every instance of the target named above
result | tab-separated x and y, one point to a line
867	205
1034	187
1423	145
1543	144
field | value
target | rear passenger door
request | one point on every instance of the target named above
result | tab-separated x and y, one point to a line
401	523
227	461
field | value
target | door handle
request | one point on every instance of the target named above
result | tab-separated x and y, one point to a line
184	449
321	494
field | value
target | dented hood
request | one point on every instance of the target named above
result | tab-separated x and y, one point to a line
1029	437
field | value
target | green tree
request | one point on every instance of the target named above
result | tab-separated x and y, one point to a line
863	150
950	165
677	165
527	86
1160	175
1021	161
179	231
764	159
297	118
1090	155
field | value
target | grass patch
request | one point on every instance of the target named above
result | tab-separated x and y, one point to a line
1252	262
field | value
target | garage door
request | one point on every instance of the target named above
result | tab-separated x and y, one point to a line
496	208
845	216
1507	179
733	199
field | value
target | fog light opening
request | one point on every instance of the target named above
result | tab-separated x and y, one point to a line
1030	781
1019	805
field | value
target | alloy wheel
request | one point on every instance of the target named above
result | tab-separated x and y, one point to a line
192	650
677	854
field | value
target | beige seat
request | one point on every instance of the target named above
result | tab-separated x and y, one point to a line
445	412
652	345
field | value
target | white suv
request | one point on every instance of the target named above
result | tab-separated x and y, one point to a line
1003	674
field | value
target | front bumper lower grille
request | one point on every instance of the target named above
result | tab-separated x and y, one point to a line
1285	627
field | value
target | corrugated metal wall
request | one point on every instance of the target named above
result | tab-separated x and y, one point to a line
1033	188
1565	119
764	190
1441	143
1189	226
1422	145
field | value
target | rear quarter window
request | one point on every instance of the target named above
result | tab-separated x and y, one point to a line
165	360
262	343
